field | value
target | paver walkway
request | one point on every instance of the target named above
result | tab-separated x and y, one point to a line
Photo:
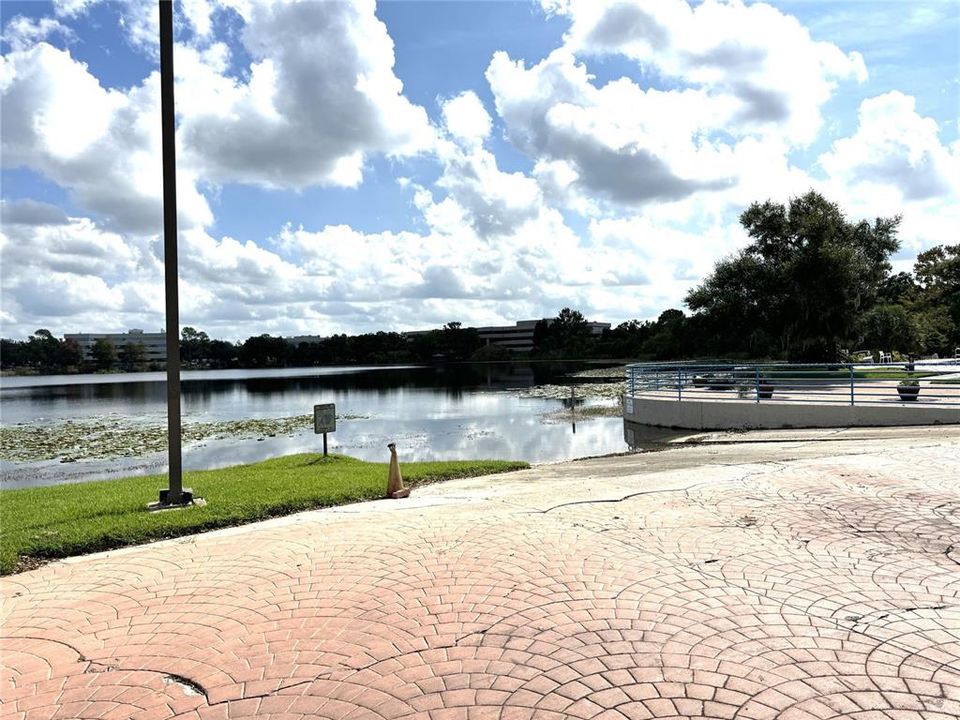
778	580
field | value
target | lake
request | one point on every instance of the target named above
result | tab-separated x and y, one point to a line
431	413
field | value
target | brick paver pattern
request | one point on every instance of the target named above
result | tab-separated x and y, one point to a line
799	589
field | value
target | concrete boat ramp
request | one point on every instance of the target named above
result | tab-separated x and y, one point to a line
785	574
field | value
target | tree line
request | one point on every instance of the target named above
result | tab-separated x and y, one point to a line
811	286
44	353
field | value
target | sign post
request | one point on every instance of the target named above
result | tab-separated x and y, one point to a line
324	421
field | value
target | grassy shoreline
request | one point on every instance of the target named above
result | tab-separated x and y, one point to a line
39	524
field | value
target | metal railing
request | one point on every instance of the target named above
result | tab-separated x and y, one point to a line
917	383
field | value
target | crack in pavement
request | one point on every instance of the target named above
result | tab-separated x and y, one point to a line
534	511
80	656
884	614
98	666
701	570
189	686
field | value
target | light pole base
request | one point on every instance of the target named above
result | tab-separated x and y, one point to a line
186	500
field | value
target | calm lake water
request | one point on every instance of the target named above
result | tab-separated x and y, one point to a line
432	413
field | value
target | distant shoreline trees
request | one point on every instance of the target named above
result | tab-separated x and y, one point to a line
808	285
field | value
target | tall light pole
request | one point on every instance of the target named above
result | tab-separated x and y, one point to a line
175	494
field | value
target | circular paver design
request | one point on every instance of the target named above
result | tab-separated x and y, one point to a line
817	588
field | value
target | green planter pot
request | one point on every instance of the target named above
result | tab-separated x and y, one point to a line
908	392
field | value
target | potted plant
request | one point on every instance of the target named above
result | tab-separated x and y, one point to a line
908	389
764	389
720	382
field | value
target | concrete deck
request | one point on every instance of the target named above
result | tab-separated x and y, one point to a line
825	406
796	575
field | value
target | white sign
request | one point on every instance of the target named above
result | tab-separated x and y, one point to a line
324	418
629	404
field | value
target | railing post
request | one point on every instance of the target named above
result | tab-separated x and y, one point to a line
679	383
851	384
756	388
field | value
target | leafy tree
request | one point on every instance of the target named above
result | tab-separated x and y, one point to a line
898	289
887	327
626	340
12	354
194	346
71	356
800	287
44	351
492	353
265	351
459	343
936	331
104	354
566	334
222	354
938	269
938	303
570	324
668	339
133	357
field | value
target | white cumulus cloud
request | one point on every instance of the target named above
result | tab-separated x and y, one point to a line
466	118
321	97
757	55
103	145
895	146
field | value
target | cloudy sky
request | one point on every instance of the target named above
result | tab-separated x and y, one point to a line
352	166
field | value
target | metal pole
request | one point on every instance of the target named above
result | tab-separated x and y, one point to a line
174	494
324	444
851	384
573	409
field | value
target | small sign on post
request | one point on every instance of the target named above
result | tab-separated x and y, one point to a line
324	421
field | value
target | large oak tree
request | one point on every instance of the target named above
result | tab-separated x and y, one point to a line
799	288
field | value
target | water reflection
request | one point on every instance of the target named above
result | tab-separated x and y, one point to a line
219	397
647	437
451	412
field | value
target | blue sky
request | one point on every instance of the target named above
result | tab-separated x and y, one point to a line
352	166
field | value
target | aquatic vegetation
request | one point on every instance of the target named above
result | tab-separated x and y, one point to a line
585	390
74	440
581	414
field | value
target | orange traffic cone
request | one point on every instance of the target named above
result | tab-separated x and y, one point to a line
395	488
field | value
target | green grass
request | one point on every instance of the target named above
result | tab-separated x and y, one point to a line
65	520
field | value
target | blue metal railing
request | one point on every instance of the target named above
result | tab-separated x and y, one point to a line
918	383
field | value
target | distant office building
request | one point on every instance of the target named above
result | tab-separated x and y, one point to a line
154	344
295	340
518	337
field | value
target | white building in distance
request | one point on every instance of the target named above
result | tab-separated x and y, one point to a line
517	337
154	344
